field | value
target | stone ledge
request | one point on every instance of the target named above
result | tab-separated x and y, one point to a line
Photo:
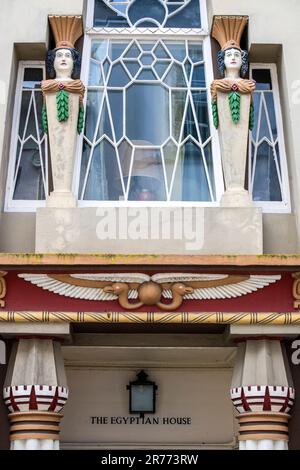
152	231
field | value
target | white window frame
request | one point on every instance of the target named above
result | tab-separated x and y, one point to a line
200	34
283	206
20	205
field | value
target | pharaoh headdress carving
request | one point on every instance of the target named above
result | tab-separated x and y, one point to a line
66	30
228	30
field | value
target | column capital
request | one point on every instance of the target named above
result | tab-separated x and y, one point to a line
261	426
34	425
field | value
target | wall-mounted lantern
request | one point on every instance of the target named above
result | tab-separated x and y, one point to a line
142	395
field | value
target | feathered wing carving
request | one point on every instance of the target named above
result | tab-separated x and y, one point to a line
214	286
124	287
86	286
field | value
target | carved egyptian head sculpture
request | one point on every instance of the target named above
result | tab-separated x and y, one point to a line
63	62
232	60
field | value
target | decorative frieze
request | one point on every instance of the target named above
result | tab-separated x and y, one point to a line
204	318
24	398
2	288
149	290
259	398
296	290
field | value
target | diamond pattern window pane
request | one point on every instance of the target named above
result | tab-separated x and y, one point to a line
147	135
147	13
265	159
30	179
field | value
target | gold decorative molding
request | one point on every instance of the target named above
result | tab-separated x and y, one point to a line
215	318
2	288
228	30
100	260
66	30
296	290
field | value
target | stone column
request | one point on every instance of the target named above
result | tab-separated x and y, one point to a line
233	143
263	394
35	393
63	138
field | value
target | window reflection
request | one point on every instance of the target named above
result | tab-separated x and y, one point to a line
30	172
266	177
147	124
147	13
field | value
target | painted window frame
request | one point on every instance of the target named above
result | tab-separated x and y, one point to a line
283	206
200	34
20	205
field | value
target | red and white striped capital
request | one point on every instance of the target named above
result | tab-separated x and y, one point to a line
263	398
46	398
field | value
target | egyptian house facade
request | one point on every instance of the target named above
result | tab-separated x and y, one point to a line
149	224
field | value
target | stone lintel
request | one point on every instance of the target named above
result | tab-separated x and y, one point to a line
32	329
276	331
162	231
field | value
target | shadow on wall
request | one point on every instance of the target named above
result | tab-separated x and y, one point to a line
294	425
4	426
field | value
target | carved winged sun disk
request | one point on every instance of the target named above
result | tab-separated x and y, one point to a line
126	287
82	286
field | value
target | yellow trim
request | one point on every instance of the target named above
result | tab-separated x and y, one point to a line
153	318
98	260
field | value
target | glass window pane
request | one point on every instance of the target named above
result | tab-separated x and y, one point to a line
147	13
265	150
32	78
142	398
147	110
95	76
188	17
201	109
151	9
30	165
266	182
104	180
93	106
191	183
105	16
115	99
178	108
147	114
29	182
147	178
170	153
175	77
262	78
